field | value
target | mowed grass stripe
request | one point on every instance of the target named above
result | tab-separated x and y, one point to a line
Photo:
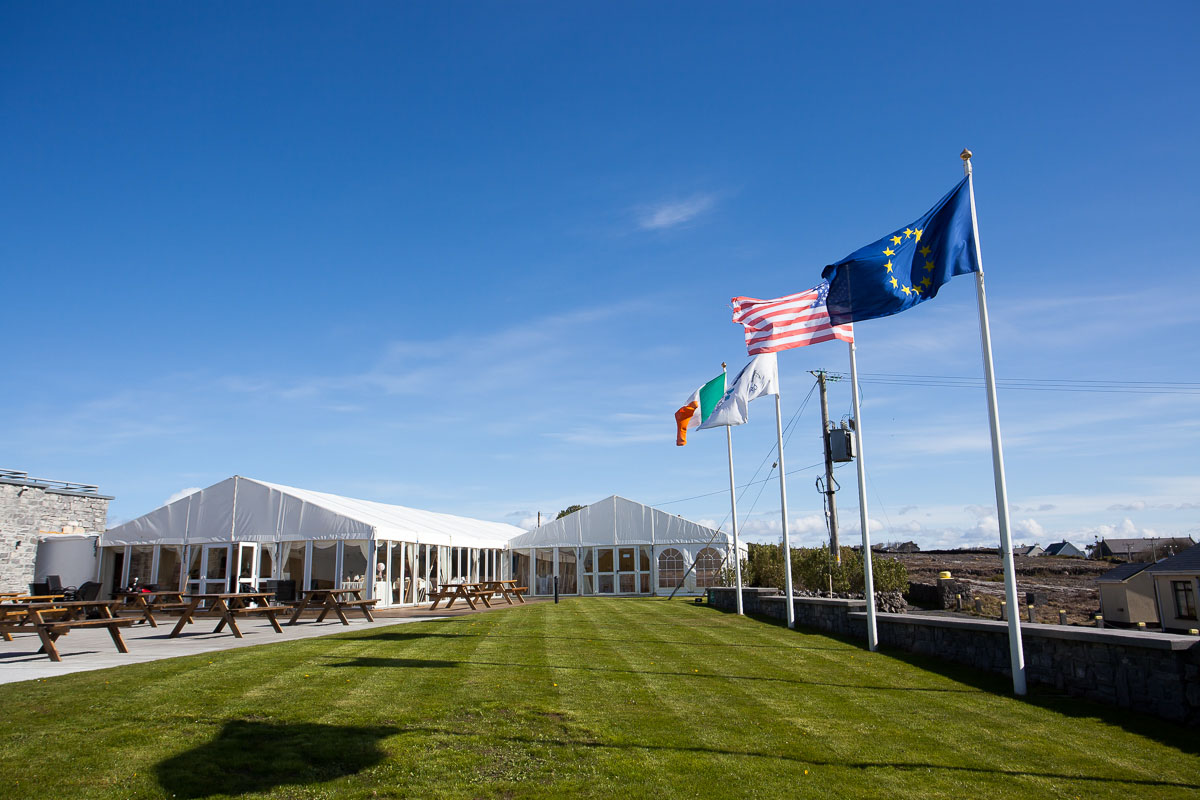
468	708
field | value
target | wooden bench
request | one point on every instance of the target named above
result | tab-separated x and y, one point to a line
148	603
229	606
335	600
53	620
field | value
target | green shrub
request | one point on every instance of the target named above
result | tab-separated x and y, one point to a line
812	570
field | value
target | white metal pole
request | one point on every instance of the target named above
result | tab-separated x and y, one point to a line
868	574
1016	651
737	553
787	542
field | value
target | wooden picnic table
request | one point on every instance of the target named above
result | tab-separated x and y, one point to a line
508	589
484	591
146	603
50	620
335	600
34	598
228	606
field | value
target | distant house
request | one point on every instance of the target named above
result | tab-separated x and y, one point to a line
1064	549
1028	550
1148	550
1177	585
1127	595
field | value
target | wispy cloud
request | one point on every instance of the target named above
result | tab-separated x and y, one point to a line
674	212
182	493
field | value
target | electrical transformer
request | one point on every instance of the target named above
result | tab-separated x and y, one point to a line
841	444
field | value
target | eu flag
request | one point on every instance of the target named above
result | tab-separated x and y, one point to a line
905	267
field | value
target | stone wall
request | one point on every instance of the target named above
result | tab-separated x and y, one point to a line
27	509
1155	673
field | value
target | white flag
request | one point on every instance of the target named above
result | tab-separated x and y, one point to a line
759	377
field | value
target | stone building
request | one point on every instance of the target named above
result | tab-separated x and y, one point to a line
31	509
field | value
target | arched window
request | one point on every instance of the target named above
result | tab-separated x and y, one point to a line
708	567
670	568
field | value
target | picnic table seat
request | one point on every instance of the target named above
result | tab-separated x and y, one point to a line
60	622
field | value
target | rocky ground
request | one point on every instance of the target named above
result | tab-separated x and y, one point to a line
1068	583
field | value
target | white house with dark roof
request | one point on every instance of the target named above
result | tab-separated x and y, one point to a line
1177	586
1127	595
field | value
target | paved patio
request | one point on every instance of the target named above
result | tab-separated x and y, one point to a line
84	650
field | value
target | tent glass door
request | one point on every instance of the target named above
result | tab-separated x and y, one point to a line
247	574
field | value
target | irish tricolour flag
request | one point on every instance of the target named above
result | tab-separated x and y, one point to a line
698	407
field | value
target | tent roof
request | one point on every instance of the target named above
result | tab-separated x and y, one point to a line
243	509
616	520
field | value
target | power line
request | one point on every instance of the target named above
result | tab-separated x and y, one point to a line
1036	384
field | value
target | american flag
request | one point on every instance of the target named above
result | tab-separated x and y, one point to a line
797	320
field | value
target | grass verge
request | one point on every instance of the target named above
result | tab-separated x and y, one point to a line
590	698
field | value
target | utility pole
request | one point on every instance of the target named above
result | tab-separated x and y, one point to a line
830	503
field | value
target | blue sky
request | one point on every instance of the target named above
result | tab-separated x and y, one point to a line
471	257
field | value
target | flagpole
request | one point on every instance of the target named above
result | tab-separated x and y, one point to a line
868	574
1015	649
787	542
737	553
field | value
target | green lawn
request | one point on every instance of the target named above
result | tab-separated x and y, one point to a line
607	698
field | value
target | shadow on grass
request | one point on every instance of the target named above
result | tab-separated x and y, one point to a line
375	661
251	756
807	762
404	637
396	636
1046	697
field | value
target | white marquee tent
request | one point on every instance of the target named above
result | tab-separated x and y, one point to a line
618	546
243	531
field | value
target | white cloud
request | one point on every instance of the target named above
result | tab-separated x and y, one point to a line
182	493
1029	527
675	212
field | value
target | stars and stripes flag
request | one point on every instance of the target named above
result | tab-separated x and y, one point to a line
796	320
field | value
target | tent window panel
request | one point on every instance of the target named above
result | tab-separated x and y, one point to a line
291	558
521	570
414	582
440	569
605	559
604	584
545	571
588	586
645	582
645	559
324	565
708	568
354	563
194	563
218	563
670	568
626	559
169	561
566	571
141	559
589	562
266	562
627	583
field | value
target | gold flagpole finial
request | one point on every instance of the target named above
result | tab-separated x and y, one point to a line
965	155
